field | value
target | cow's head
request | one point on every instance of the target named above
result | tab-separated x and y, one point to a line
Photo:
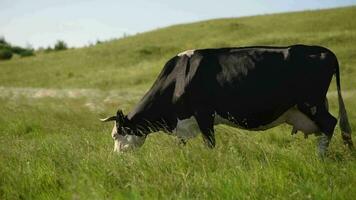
124	133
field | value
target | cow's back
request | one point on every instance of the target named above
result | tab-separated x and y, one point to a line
255	84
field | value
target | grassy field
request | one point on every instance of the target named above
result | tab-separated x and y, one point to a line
52	145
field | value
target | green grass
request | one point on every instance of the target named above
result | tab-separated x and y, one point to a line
53	146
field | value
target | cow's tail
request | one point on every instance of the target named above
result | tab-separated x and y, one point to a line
344	121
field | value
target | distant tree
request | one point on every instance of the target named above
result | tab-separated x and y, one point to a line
60	45
99	41
2	40
48	49
4	44
5	54
17	49
23	52
27	52
7	50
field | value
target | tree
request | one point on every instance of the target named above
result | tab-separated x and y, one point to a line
60	45
3	41
5	54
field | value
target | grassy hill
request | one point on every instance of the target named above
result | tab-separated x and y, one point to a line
136	60
52	145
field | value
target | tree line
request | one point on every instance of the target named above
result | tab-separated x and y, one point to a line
7	51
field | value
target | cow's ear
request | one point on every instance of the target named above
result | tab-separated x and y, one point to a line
112	118
120	117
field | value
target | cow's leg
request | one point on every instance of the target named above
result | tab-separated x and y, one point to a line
324	120
327	124
205	120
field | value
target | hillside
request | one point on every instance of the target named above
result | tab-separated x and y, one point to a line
135	61
52	145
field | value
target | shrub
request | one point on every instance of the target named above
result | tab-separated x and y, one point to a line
7	50
18	50
5	54
48	49
5	46
60	45
3	41
27	52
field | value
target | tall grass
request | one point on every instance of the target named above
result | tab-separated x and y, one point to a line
56	148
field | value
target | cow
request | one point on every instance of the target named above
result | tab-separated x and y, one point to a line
252	88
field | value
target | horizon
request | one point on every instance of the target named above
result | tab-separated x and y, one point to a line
41	24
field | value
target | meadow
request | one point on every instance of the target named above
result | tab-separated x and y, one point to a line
52	145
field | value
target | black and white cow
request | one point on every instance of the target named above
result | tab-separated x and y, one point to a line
253	88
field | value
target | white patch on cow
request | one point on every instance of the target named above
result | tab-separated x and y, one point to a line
285	54
188	53
300	121
186	128
123	143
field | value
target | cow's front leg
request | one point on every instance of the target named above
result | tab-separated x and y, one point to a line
205	120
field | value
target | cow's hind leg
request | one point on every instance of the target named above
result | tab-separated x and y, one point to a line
324	120
327	124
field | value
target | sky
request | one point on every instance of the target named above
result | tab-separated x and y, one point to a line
40	23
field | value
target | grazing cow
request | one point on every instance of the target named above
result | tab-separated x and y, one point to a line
253	88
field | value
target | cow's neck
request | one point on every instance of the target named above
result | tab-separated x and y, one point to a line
155	111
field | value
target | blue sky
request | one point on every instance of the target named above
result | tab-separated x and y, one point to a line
79	22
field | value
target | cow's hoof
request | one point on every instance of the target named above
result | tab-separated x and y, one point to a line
347	140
